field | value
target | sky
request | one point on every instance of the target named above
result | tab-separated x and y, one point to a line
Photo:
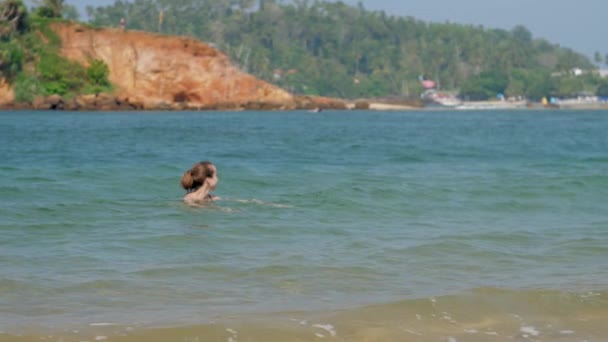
576	24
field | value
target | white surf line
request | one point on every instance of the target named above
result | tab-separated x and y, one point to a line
234	333
517	317
300	322
260	202
529	330
327	327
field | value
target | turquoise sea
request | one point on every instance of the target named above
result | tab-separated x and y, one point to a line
350	226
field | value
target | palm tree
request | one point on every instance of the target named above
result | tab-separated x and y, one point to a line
13	17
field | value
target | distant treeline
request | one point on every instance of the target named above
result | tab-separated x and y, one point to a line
333	49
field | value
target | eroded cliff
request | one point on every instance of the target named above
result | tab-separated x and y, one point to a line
152	71
156	70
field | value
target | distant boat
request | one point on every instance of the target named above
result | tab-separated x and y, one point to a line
316	110
489	105
435	99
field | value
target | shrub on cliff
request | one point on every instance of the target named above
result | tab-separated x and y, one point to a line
11	59
13	23
60	76
26	86
97	73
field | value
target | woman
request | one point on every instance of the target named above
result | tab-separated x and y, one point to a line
198	182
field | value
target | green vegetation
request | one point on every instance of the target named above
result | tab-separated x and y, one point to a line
603	89
58	75
309	47
13	19
98	73
330	48
30	59
11	59
484	86
50	9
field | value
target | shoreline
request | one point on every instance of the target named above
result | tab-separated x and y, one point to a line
107	103
472	315
372	108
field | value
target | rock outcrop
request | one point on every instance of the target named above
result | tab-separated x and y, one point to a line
158	71
153	71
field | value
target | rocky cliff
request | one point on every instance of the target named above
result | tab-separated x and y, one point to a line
152	71
156	70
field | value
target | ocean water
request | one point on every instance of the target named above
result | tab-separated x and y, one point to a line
351	226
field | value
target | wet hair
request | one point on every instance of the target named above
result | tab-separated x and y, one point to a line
195	177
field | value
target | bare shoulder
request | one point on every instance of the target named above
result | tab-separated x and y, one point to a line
193	198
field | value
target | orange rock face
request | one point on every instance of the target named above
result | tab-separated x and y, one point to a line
6	93
155	70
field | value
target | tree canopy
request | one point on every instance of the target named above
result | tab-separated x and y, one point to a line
50	8
330	48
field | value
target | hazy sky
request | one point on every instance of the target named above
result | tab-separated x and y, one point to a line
577	24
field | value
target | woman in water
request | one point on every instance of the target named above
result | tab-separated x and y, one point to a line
198	182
